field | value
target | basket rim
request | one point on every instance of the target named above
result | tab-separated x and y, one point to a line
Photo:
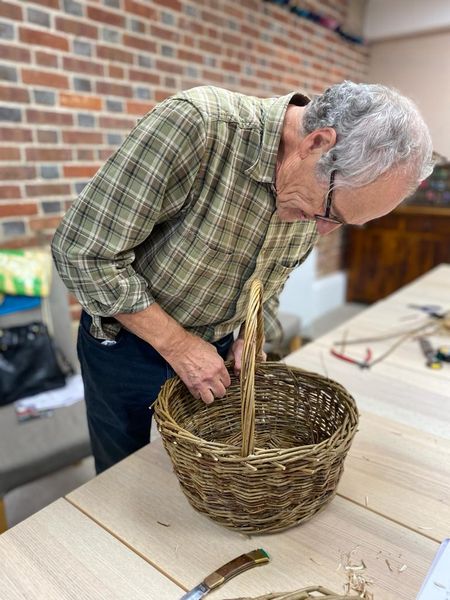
233	452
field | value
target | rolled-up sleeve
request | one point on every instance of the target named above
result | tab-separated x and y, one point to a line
146	182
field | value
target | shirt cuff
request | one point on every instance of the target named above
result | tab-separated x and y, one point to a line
131	294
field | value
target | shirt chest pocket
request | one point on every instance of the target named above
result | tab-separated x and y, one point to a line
208	278
275	269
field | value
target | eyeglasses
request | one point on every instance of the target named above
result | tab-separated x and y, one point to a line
327	217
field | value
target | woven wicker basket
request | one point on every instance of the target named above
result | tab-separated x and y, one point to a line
310	593
267	462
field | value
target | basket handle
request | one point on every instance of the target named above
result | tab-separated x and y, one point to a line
252	350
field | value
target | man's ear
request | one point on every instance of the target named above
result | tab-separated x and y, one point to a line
318	141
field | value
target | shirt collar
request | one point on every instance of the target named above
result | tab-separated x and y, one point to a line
263	169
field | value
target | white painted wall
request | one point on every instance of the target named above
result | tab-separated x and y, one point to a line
297	295
419	67
308	297
393	18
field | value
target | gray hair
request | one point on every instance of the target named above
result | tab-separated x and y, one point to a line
377	129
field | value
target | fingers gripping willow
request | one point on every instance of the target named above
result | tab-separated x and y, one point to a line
267	456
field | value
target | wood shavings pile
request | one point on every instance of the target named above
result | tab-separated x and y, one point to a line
356	587
356	580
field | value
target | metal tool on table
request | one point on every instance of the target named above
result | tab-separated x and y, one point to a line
226	572
433	310
438	322
362	364
443	353
433	362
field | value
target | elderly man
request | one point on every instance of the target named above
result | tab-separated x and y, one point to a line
210	190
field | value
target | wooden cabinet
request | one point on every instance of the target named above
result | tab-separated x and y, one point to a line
387	253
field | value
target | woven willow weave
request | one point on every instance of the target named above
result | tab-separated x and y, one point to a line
267	462
310	593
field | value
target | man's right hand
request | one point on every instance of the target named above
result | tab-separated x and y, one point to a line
201	368
195	361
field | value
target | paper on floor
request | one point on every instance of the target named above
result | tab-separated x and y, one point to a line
69	394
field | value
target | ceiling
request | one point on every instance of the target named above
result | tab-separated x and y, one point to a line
387	19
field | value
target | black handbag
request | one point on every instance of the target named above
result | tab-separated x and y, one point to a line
28	362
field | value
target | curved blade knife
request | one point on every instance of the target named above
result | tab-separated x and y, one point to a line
226	572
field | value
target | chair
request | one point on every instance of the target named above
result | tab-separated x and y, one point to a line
291	340
35	448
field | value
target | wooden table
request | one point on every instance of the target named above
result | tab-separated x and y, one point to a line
61	553
130	532
400	387
189	545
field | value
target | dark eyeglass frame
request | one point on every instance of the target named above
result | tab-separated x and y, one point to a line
327	217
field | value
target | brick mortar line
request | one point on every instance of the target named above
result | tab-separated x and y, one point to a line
306	73
60	109
153	70
350	53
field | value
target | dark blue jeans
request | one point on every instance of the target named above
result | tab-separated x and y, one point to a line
121	381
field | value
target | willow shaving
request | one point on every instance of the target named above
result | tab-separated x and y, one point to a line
356	580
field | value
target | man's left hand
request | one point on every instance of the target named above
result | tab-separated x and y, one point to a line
235	354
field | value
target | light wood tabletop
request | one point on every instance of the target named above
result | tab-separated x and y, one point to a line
59	553
401	473
141	503
130	532
416	397
395	316
401	387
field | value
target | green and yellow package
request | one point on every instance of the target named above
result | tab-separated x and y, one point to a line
25	272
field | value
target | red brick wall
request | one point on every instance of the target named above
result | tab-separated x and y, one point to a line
75	75
330	249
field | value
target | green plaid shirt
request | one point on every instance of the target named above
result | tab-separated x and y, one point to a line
183	214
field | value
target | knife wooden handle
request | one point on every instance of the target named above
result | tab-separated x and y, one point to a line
236	566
